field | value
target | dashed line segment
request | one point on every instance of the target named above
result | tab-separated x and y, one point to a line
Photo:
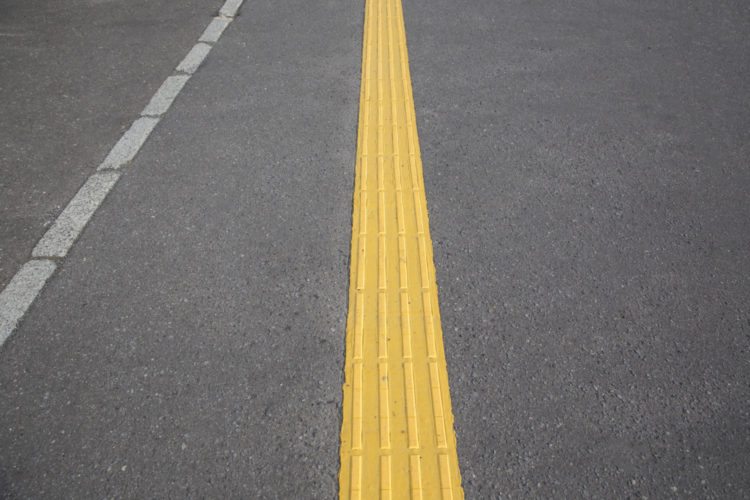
27	283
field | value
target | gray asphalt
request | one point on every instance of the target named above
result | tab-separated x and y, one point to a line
587	177
74	75
586	167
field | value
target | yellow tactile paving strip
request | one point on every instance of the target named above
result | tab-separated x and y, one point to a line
397	437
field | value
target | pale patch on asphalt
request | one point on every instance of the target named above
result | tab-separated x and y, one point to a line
130	143
60	237
166	94
21	292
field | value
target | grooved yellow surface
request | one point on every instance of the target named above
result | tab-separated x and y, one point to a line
397	438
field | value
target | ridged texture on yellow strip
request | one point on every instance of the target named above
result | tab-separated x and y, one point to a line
397	436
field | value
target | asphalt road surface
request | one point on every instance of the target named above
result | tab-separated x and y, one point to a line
587	175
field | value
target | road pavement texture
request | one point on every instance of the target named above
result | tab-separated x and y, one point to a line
585	166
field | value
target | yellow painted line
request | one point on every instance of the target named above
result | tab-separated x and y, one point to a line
397	437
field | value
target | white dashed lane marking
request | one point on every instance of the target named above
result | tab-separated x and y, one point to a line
60	237
194	58
214	30
166	94
230	8
130	143
22	290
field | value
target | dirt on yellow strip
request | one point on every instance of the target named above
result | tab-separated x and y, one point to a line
397	438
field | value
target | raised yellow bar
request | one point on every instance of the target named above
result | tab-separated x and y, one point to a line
397	437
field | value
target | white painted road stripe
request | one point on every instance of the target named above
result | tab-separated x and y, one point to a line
214	30
167	93
230	8
130	143
58	239
194	58
21	292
